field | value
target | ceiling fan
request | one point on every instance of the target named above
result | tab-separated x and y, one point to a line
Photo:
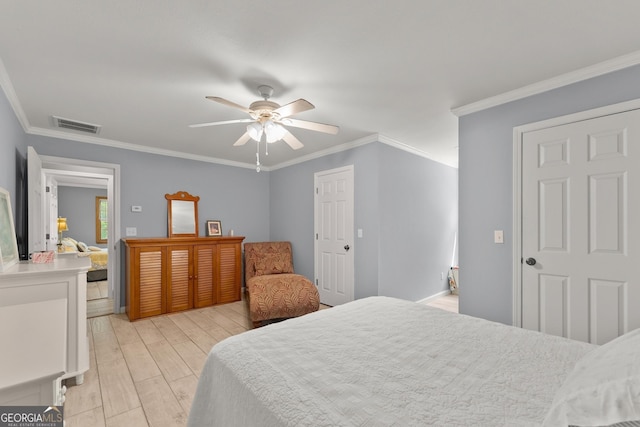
269	118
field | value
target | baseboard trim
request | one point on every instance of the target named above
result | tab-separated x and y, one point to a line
434	297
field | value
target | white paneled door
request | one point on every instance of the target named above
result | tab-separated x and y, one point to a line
581	228
334	235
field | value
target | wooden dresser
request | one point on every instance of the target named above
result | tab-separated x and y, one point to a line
166	275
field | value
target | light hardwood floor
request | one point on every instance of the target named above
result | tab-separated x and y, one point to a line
98	301
144	373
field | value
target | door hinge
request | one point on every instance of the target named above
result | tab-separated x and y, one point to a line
47	236
316	236
316	282
316	190
47	189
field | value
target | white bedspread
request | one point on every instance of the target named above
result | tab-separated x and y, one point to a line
383	362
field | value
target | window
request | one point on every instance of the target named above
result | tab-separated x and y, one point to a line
102	226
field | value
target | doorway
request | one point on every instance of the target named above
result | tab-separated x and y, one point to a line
79	202
79	173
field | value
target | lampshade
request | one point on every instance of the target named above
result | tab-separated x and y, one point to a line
255	131
274	131
62	225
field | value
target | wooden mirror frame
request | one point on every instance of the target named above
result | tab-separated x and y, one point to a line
181	196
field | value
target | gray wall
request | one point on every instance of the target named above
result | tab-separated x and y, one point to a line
418	224
406	206
292	212
229	194
485	174
77	204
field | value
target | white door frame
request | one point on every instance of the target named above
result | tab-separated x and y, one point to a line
111	172
518	133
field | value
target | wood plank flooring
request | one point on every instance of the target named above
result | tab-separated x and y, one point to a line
144	373
98	301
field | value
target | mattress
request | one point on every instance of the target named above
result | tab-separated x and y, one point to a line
383	362
99	259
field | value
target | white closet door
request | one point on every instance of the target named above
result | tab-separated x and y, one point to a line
581	228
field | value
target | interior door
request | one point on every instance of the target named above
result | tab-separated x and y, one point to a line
334	235
51	213
37	239
580	228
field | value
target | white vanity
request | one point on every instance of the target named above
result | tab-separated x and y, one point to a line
43	330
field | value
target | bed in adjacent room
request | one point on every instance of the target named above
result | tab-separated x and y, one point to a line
99	257
387	362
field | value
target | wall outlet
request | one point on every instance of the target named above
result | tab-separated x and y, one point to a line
131	231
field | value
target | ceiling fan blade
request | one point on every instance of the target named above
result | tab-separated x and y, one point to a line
242	140
228	103
292	141
226	122
304	124
294	107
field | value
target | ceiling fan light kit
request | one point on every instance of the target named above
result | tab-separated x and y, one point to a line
274	131
268	118
255	131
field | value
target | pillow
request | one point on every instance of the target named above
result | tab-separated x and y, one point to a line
69	244
82	247
94	249
603	388
273	263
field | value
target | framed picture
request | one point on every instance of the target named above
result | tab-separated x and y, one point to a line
8	243
214	228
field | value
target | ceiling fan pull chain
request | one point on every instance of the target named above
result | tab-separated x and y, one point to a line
258	156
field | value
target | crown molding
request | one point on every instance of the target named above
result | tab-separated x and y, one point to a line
337	149
134	147
402	146
376	137
595	70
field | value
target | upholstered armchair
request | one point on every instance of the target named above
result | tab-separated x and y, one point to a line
274	291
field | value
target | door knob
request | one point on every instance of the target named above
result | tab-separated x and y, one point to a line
531	261
346	248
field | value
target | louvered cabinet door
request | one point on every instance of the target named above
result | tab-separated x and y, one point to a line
180	278
229	273
205	256
146	296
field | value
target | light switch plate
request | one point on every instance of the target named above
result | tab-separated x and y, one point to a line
136	208
498	236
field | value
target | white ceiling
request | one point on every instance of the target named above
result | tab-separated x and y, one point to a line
141	69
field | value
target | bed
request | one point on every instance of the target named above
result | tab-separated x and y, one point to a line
99	257
99	262
386	362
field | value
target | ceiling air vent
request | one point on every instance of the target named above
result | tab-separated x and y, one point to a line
59	122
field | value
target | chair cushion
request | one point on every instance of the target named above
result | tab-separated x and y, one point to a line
273	263
267	258
279	296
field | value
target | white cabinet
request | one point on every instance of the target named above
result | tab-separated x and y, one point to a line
43	329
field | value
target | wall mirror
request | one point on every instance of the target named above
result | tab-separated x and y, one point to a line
182	214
